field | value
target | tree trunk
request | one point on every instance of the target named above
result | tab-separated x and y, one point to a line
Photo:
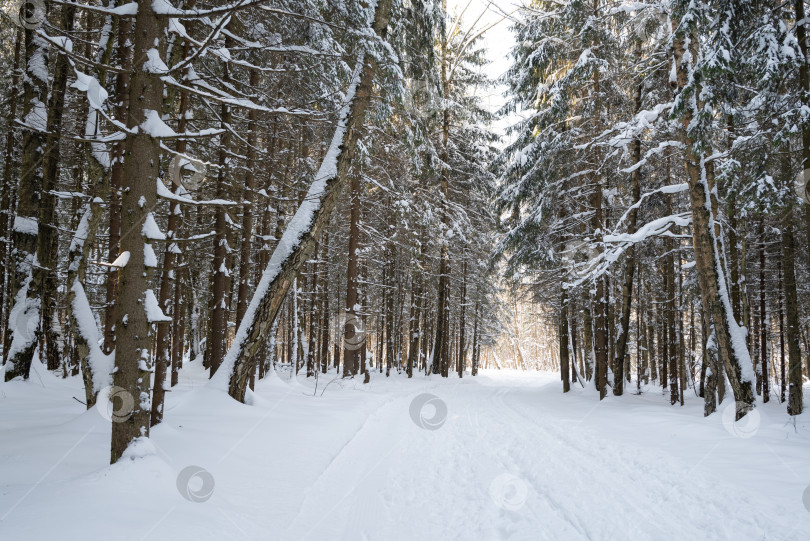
141	173
462	353
24	318
804	96
762	373
587	331
352	335
389	308
779	293
441	353
564	368
220	272
711	277
710	367
7	189
122	93
324	357
674	369
476	350
45	275
80	315
247	207
629	263
299	239
795	405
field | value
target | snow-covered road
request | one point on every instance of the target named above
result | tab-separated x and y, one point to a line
501	456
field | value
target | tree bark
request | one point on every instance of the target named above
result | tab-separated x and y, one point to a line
462	353
795	405
45	274
122	85
218	320
7	189
24	319
763	329
564	368
731	348
351	333
629	263
674	369
133	362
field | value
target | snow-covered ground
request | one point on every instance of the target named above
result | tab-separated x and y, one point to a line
504	455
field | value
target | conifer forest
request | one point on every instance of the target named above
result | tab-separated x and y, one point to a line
404	269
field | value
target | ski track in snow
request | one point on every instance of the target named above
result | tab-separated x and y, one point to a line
515	459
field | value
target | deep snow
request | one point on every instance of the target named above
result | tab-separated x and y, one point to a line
504	455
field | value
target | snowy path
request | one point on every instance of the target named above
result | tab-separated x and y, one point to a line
512	459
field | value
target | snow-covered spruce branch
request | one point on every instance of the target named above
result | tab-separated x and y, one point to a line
617	244
675	188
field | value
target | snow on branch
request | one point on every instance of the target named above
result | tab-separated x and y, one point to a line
629	131
126	10
674	188
616	245
164	193
654	228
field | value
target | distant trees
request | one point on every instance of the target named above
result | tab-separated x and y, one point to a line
662	142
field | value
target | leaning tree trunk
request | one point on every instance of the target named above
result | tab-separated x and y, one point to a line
95	365
298	241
